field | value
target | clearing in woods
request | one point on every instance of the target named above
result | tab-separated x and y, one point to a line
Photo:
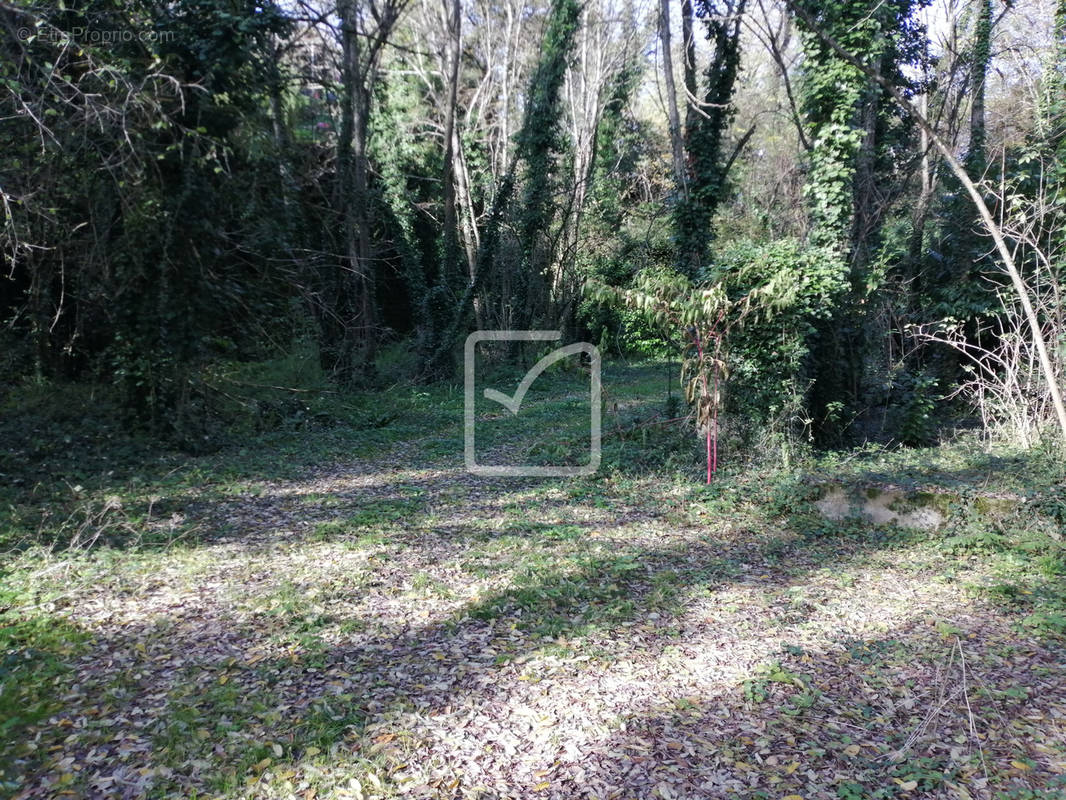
337	613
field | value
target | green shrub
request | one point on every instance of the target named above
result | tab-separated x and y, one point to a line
793	286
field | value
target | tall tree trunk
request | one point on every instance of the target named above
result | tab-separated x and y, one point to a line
688	57
467	223
448	179
335	304
982	56
352	312
677	146
866	218
925	196
706	163
360	257
439	299
540	147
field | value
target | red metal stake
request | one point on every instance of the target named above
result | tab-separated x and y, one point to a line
709	470
714	412
711	459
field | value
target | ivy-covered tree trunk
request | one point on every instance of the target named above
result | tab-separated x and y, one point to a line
982	59
707	165
849	185
831	92
688	62
995	230
522	285
539	145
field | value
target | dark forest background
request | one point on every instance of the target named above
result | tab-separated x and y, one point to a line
340	192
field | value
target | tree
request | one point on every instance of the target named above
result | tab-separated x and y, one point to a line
700	163
677	142
349	320
987	219
856	170
961	255
539	146
131	244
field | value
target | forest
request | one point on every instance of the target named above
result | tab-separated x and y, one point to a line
265	532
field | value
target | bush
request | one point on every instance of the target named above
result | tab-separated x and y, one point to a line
794	286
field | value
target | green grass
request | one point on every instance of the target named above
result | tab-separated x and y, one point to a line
234	727
37	653
547	570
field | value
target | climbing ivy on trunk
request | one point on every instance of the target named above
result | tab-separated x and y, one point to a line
705	133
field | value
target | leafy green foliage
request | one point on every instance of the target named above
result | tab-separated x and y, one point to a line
915	425
695	318
791	288
751	326
835	95
144	259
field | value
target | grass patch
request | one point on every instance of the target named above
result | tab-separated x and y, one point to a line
364	651
37	652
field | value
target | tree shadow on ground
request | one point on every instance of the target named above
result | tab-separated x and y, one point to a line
198	695
66	470
913	713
